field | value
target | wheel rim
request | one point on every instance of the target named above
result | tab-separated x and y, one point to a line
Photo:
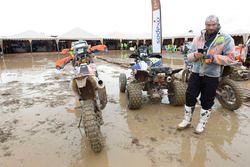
228	95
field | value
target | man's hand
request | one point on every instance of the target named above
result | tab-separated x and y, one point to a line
209	59
198	55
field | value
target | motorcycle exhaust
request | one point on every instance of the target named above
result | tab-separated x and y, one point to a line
169	79
100	84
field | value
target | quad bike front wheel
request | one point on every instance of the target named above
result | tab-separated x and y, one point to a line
176	93
134	95
91	125
122	82
229	94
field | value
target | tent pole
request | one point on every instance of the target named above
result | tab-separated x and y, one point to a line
30	46
1	45
57	45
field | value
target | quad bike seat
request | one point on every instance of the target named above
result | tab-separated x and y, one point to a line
166	70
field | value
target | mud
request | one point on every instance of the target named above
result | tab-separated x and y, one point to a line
39	116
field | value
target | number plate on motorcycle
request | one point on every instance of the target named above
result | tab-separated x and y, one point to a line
84	70
80	51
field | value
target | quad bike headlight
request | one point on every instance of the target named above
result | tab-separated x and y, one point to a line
161	77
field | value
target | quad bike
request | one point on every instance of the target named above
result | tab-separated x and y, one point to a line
149	75
228	93
90	91
242	53
239	74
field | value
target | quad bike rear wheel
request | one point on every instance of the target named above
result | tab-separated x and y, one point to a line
91	125
229	94
122	82
134	95
176	93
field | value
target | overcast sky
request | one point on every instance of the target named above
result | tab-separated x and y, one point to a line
54	17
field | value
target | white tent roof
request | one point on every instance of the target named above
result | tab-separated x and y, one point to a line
29	35
183	35
239	32
78	34
118	35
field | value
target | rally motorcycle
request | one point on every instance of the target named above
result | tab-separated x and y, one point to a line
89	89
228	93
148	74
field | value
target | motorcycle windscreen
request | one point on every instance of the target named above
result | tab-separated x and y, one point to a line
156	26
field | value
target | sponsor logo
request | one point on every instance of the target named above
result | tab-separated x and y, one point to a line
157	21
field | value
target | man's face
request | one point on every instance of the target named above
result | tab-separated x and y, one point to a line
211	27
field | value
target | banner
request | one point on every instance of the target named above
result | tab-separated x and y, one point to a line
156	26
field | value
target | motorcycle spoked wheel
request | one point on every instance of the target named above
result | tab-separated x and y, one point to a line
229	94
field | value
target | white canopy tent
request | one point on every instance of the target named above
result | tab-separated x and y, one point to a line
78	34
244	33
29	35
121	36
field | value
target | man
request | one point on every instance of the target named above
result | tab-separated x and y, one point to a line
209	52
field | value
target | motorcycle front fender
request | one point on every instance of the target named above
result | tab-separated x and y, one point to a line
81	82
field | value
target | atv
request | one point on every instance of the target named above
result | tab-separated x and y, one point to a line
148	74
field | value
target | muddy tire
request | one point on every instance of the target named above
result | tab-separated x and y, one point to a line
122	82
134	95
91	125
103	97
231	96
177	93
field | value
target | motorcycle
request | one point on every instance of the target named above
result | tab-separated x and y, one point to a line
90	90
148	74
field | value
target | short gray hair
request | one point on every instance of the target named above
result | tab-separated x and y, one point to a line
212	18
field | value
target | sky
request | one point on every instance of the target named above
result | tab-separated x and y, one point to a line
55	17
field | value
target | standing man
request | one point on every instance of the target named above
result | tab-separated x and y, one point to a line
209	52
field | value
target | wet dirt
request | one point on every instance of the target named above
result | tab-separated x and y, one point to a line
39	116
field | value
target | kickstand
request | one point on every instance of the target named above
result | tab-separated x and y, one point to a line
79	125
81	132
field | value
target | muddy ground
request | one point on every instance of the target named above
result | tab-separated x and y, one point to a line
39	116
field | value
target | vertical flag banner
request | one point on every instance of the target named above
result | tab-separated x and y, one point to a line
156	26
